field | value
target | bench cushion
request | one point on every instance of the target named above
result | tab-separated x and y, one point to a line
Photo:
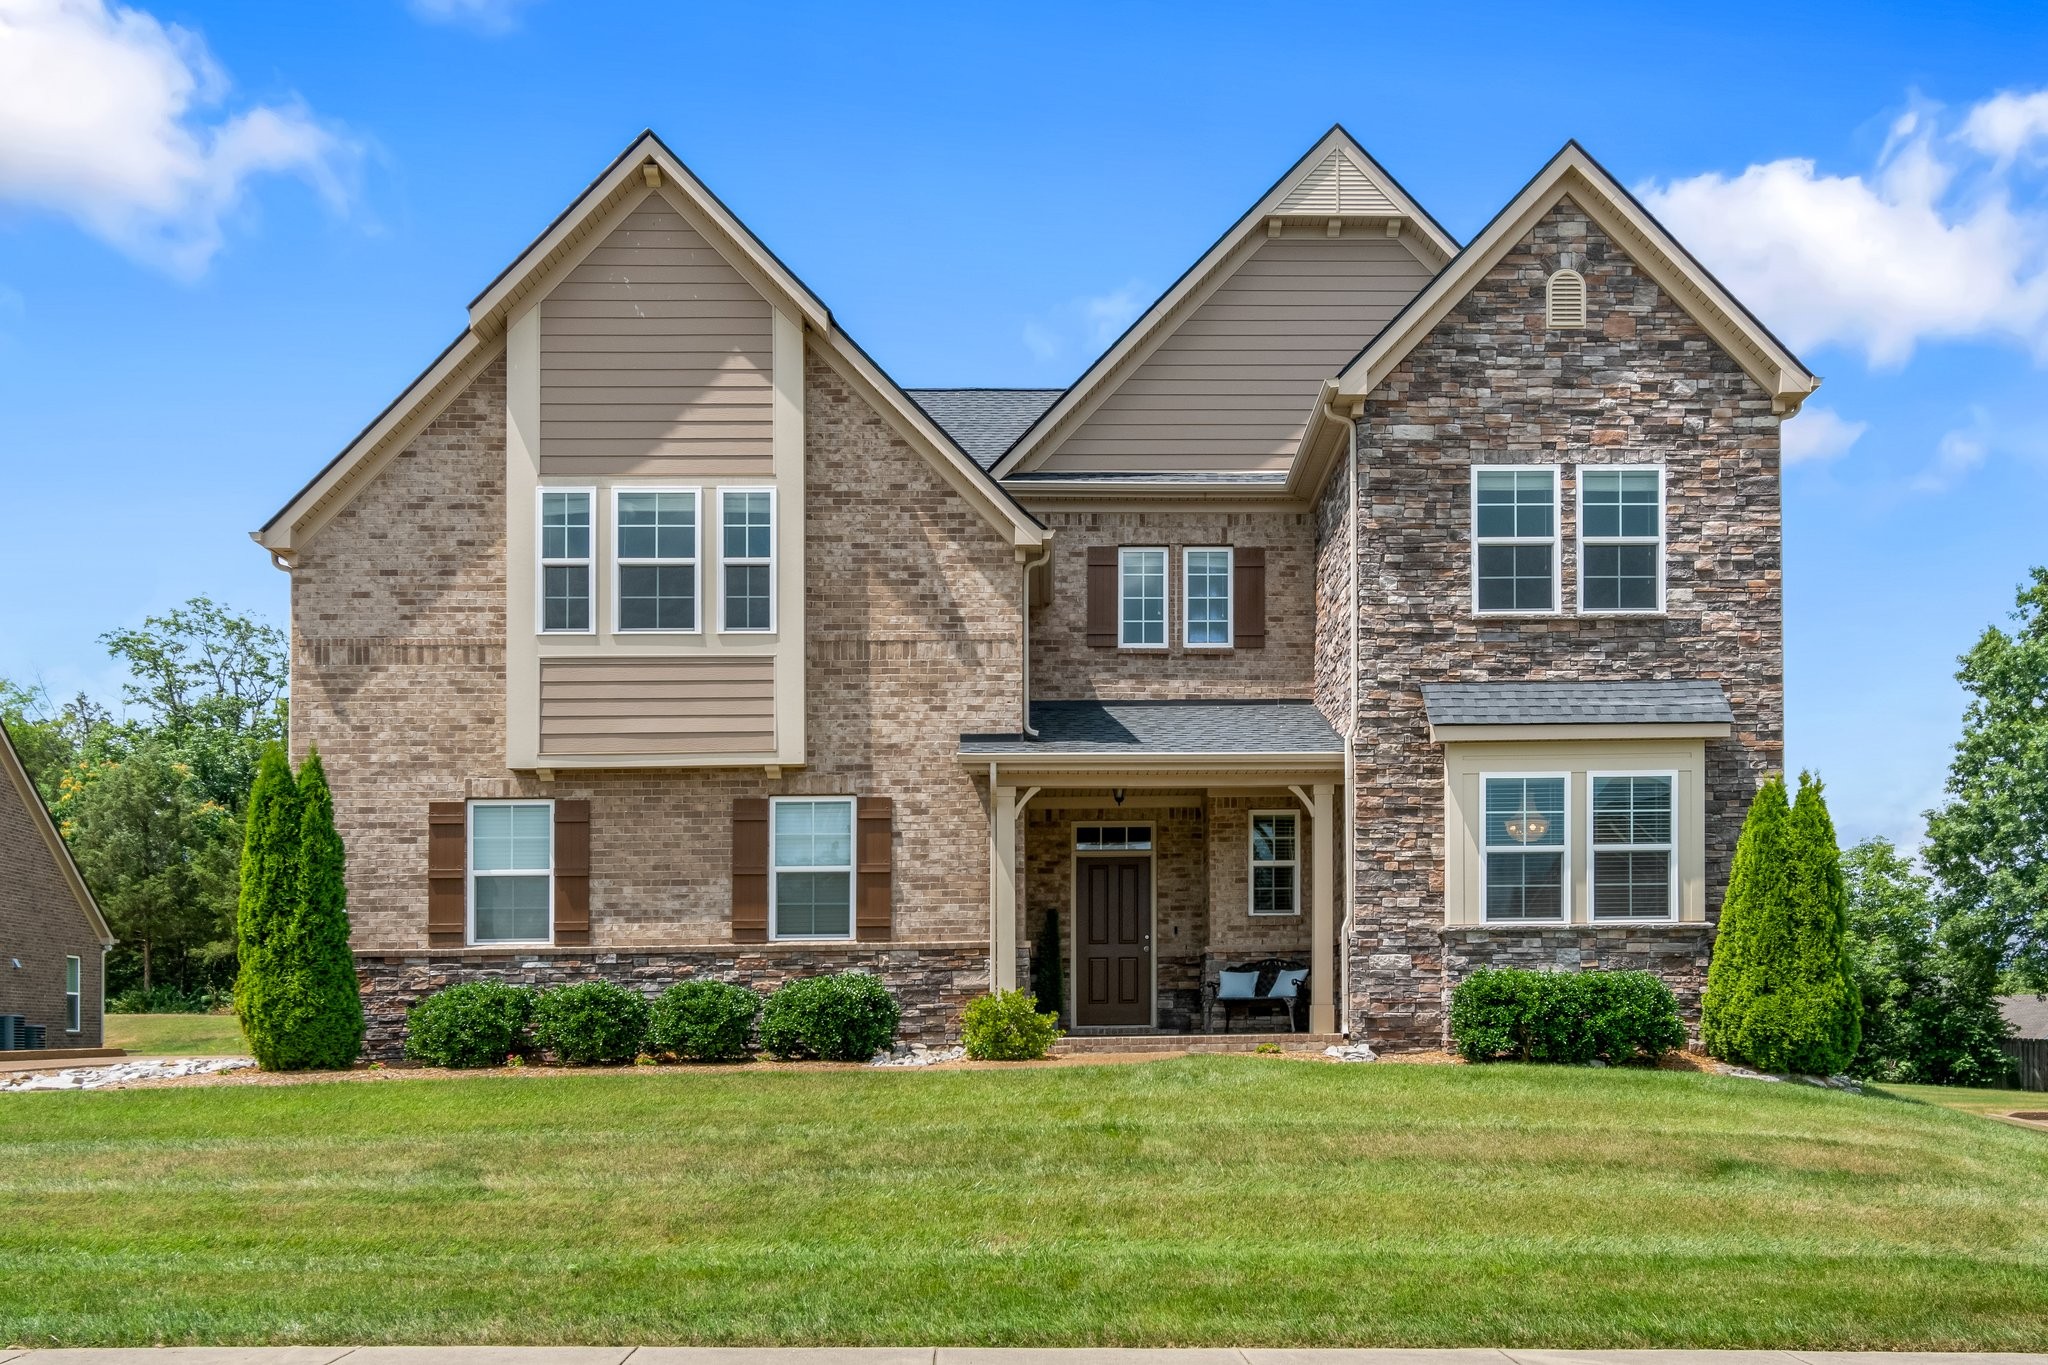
1237	985
1288	983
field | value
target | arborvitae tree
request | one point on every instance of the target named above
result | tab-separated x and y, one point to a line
1780	995
266	912
1048	968
326	1013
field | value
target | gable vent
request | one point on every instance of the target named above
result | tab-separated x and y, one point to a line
1565	300
1337	185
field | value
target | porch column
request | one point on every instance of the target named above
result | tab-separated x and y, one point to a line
1322	961
1003	907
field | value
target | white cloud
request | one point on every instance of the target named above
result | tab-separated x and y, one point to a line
101	121
492	17
1956	454
2007	124
1819	434
1931	245
1085	326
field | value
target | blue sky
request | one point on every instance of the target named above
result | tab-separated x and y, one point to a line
230	233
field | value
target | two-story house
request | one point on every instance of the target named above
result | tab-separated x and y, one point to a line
1385	603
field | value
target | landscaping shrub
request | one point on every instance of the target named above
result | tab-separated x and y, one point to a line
845	1017
1781	994
590	1022
163	998
1569	1017
1007	1027
478	1023
703	1021
1049	966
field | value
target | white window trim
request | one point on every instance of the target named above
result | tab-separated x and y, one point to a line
1123	552
1670	849
1585	540
470	874
775	871
1187	579
1252	864
620	563
1564	872
1554	540
541	564
774	579
74	996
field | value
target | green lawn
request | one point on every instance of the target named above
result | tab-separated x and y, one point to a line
185	1035
1974	1101
1190	1201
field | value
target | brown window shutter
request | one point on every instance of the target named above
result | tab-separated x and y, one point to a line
874	888
1248	576
1102	596
572	873
750	869
447	874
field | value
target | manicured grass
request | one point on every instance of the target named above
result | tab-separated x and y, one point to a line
1192	1201
183	1035
1973	1101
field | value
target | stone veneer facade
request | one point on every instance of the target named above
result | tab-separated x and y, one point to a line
1642	383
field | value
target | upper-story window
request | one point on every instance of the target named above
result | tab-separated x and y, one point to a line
565	559
1141	598
1206	619
657	559
1621	539
747	559
1514	538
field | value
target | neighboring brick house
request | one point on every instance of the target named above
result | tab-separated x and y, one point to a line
1374	602
53	940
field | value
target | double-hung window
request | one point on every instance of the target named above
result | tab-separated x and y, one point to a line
1635	866
1525	871
1621	539
1276	863
657	559
565	559
73	1021
511	871
746	566
1514	538
1141	597
1205	576
811	867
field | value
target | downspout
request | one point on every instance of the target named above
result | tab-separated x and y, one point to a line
1025	566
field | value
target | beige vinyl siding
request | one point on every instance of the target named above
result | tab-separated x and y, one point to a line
654	706
1230	388
655	358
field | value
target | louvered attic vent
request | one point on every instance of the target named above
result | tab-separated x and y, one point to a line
1565	300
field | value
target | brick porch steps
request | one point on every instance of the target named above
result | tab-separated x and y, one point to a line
1082	1044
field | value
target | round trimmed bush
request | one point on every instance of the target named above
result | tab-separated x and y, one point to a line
1007	1027
844	1017
478	1023
703	1021
1569	1017
590	1022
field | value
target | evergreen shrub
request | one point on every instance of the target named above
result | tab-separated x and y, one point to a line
478	1023
1567	1017
704	1021
844	1017
1007	1027
590	1023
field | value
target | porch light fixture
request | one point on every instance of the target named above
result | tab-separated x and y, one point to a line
1116	794
1527	827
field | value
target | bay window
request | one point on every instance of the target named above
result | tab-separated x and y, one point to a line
565	535
656	554
1524	849
1635	870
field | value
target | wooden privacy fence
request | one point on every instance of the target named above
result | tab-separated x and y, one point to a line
2030	1060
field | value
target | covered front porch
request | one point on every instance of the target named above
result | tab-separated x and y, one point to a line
1143	852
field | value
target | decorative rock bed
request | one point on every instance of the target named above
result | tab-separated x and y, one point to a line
918	1054
93	1077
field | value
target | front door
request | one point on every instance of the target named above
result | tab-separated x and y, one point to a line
1114	905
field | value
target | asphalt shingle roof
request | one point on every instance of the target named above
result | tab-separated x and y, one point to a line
2028	1015
1576	703
985	422
1139	728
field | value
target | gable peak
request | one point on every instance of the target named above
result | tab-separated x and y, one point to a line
1339	185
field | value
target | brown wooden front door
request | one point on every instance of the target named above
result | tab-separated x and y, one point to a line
1114	905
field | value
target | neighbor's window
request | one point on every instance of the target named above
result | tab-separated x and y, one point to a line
1633	851
1621	539
1141	598
1524	847
747	558
657	559
72	1023
811	854
511	871
565	559
1276	863
1514	534
1206	576
1112	838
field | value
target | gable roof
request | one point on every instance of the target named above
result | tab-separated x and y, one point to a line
984	422
1573	172
1333	179
646	162
39	816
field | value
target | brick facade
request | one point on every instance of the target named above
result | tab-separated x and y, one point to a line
1642	383
40	926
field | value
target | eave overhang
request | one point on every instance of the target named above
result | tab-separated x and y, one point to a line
1531	734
